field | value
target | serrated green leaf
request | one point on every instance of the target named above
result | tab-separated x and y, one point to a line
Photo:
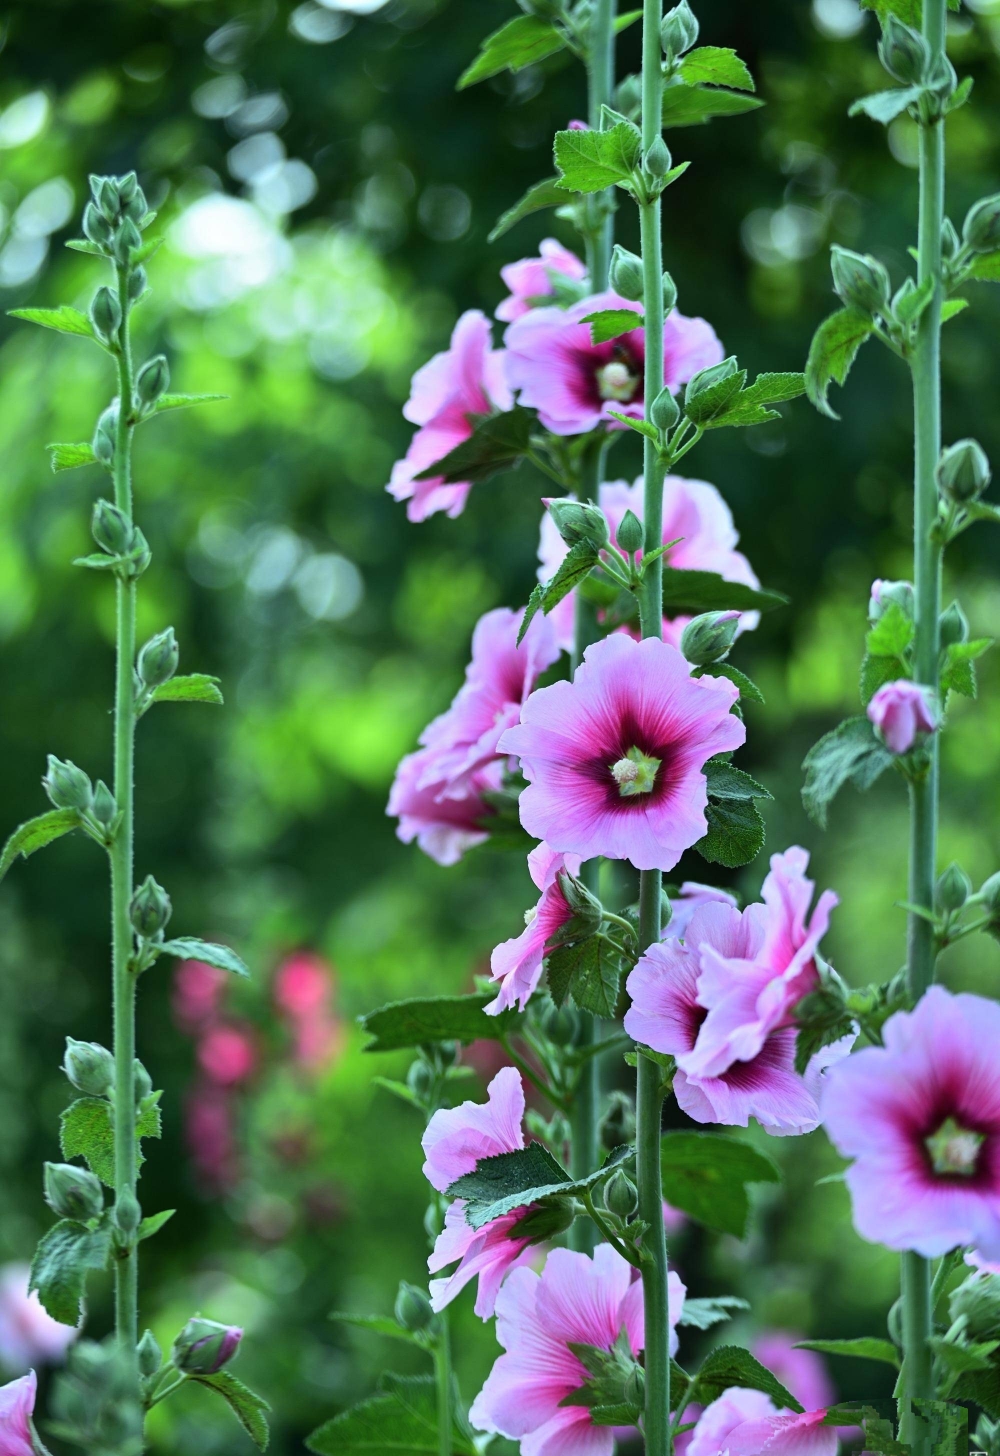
190	948
892	634
775	388
152	1225
706	591
716	66
590	161
539	196
727	782
510	1181
402	1421
36	834
702	1314
714	402
813	1038
519	43
731	1365
861	1349
833	350
641	427
377	1325
986	268
850	752
64	320
184	401
875	672
574	568
706	1175
590	971
86	1130
735	833
70	457
885	106
685	105
65	1256
909	11
952	307
194	687
498	442
958	675
609	323
245	1404
748	688
146	249
426	1020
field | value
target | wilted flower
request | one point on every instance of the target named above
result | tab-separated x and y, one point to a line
900	710
517	963
531	282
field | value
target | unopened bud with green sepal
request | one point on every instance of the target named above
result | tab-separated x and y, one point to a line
127	1213
626	274
620	1196
103	442
67	786
707	378
73	1192
678	30
579	521
204	1346
148	1354
548	1221
89	1066
963	472
413	1308
104	809
142	1082
669	294
978	1300
560	1024
106	315
952	889
903	51
152	381
150	909
158	659
860	280
709	637
617	1126
658	160
111	528
664	411
981	231
125	241
954	625
137	282
97	227
630	534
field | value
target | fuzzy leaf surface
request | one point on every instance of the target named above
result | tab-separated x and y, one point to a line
190	948
194	687
860	1349
590	161
706	1175
706	591
609	323
402	1421
245	1404
685	105
64	320
86	1130
539	196
498	442
833	350
509	1181
64	1257
702	1314
731	1365
519	43
735	833
716	66
70	457
36	834
850	752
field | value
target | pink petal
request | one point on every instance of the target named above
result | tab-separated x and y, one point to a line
457	1137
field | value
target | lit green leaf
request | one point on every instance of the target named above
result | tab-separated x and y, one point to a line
726	782
578	563
986	268
590	971
909	11
685	105
713	403
184	401
850	752
64	1257
194	687
223	957
748	688
539	196
36	834
885	106
69	457
437	1018
609	323
498	442
952	308
86	1130
152	1225
834	348
716	66
510	1181
402	1421
706	1175
892	634
706	591
958	673
590	161
519	43
378	1325
702	1314
862	1349
64	320
246	1406
641	427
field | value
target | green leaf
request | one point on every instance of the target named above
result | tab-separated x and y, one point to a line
909	11
982	511
952	307
146	249
986	268
610	322
885	106
36	834
726	782
735	833
577	564
958	675
87	1130
748	688
775	388
590	971
539	196
246	1406
875	671
834	348
892	634
590	161
184	401
378	1325
498	442
642	427
63	1259
64	320
97	561
713	403
981	1386
438	1018
731	1365
152	1225
519	43
685	105
69	457
702	1314
84	245
718	66
705	1174
861	1349
850	752
706	591
190	948
402	1421
509	1181
195	687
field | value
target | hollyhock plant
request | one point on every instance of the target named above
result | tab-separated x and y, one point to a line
533	281
17	1405
614	760
445	396
517	963
28	1335
574	383
919	1117
690	898
443	823
747	1423
303	992
455	1139
900	710
575	1300
227	1054
803	1372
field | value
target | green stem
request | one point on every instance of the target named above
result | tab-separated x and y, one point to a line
918	1382
442	1374
126	1269
600	88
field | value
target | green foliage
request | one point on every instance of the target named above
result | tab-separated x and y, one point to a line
735	827
70	457
609	323
849	753
36	834
713	403
539	196
706	591
65	1256
748	688
519	43
704	1314
866	1348
909	11
958	672
246	1406
64	320
189	948
986	268
380	1325
577	564
732	1365
751	405
509	1181
885	106
685	105
436	1018
834	349
590	161
589	970
497	443
887	651
706	1174
716	66
402	1420
152	1225
86	1130
184	401
194	687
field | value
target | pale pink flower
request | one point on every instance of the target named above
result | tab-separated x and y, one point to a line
318	1041
28	1335
614	760
900	710
693	511
573	383
197	993
517	963
211	1136
445	396
530	279
227	1055
691	898
747	1423
302	985
802	1372
575	1300
920	1118
975	1260
674	1219
455	1139
718	1420
17	1405
443	823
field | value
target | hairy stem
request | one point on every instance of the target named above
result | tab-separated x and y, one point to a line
442	1374
600	87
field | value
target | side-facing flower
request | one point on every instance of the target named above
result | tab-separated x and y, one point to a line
573	383
575	1300
692	897
900	710
747	1423
920	1118
455	1139
614	760
533	281
28	1333
446	395
17	1404
517	963
443	823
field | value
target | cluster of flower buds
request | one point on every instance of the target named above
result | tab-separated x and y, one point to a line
150	910
90	1068
678	33
906	56
68	787
114	219
579	521
96	1398
710	391
117	536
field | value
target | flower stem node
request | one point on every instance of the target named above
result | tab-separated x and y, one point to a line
963	472
149	1354
664	411
413	1308
620	1196
678	30
630	533
106	315
152	381
89	1066
626	274
860	281
709	637
204	1346
981	230
128	1214
617	1126
150	909
903	52
579	521
67	786
73	1192
158	659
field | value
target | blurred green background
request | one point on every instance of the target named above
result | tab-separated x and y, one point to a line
326	198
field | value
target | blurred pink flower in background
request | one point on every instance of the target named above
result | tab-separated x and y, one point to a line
210	1133
197	994
803	1372
17	1404
227	1055
28	1336
304	987
530	279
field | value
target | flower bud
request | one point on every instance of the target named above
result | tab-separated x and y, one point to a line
617	1126
128	1214
420	1078
658	160
989	892
943	79
963	472
152	380
628	96
111	528
900	711
585	906
96	226
626	274
706	378
158	659
560	1023
548	1221
126	240
952	889
137	281
630	534
128	186
950	241
142	1082
620	1197
669	295
579	521
149	1354
978	1299
678	30
140	553
150	909
106	314
709	637
103	443
635	1390
89	1067
73	1192
954	625
981	230
433	1221
664	411
67	786
413	1308
861	281
903	52
104	807
884	593
203	1346
137	207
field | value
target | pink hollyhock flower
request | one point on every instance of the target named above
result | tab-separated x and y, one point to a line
445	396
718	1420
573	383
975	1260
575	1300
17	1404
691	898
517	963
210	1136
444	823
803	1372
227	1055
530	280
27	1333
674	1219
920	1117
614	759
693	511
197	992
302	985
746	1423
318	1041
455	1139
900	710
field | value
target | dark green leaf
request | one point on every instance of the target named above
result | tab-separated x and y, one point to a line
702	1314
498	442
850	752
438	1018
885	106
685	105
70	457
713	403
63	1259
541	195
509	1181
36	834
718	66
735	833
748	688
378	1325
86	1130
64	320
246	1406
958	675
577	564
611	322
590	971
223	957
706	1175
981	1386
152	1225
986	268
184	401
515	45
590	161
195	687
706	591
813	1038
861	1349
833	350
726	782
400	1422
731	1365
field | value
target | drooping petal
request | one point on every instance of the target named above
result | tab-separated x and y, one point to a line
457	1137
